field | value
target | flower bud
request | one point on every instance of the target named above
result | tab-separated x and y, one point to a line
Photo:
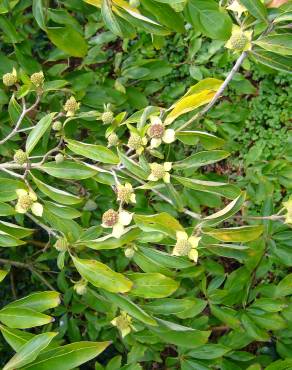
59	158
112	139
20	157
129	252
57	126
10	79
107	117
71	106
238	41
110	218
81	287
37	79
61	244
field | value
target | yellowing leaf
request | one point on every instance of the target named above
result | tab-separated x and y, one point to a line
197	95
96	3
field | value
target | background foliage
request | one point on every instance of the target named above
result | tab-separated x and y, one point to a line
231	310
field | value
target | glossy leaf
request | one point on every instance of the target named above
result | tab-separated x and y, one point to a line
255	8
37	301
201	159
101	276
236	234
23	318
68	170
279	43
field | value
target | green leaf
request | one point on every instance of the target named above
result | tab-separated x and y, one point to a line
68	170
8	189
133	167
68	357
162	222
57	195
29	351
253	330
15	230
101	276
236	234
201	159
225	213
179	335
208	140
23	318
7	240
3	274
6	210
209	351
152	285
108	242
98	153
109	18
38	11
279	43
131	308
272	60
228	191
38	131
284	288
9	30
184	307
15	338
68	40
256	8
37	301
212	21
280	365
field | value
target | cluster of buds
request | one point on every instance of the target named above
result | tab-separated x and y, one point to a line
112	139
57	125
20	157
71	106
130	251
80	287
125	193
160	171
37	79
117	220
107	117
240	40
61	244
123	322
186	246
27	200
10	79
137	143
158	133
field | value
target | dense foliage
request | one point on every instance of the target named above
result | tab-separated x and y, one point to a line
145	175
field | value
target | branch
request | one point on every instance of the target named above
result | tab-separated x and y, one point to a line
218	93
20	119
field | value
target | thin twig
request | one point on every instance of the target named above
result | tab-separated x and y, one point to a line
20	119
43	226
218	93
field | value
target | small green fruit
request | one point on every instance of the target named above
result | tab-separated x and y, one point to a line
20	157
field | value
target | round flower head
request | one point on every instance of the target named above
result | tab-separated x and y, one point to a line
27	200
126	193
80	287
186	246
37	79
240	40
124	323
160	171
59	158
237	8
57	126
117	221
112	139
10	79
107	117
137	143
20	157
159	134
71	106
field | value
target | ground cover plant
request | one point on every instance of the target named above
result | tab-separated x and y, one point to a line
145	181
